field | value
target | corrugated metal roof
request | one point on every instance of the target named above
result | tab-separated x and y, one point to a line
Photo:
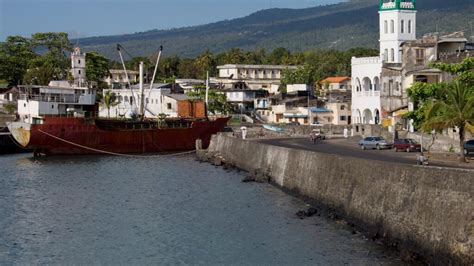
180	97
319	110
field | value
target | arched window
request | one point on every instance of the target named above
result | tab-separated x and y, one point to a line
392	26
385	55
385	27
392	55
126	98
409	26
402	26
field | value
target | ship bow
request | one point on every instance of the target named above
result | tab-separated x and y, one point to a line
21	132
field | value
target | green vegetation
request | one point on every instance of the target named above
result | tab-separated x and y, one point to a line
217	101
35	60
108	100
446	105
314	64
97	67
10	108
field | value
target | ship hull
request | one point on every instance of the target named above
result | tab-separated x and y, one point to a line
77	136
7	144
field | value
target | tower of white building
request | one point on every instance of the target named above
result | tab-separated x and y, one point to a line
78	66
397	25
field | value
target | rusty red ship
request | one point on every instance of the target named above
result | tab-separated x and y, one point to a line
69	135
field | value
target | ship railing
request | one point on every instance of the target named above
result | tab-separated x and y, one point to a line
53	99
79	114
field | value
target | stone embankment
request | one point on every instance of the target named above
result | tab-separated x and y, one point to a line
427	210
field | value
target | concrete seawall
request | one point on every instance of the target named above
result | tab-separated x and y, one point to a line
427	210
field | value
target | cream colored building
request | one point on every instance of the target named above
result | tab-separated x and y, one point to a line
118	79
252	77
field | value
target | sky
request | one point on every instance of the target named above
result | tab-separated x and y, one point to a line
84	18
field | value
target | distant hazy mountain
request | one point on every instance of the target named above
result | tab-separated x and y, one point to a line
340	26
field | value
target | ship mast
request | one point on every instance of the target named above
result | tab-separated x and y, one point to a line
207	93
142	93
154	74
125	69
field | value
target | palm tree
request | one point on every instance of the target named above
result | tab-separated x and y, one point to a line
454	108
109	100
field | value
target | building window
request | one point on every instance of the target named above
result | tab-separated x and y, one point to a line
402	26
409	26
343	107
392	26
79	61
79	71
392	55
385	27
420	56
385	55
168	105
342	118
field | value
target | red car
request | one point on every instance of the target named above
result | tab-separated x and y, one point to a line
407	145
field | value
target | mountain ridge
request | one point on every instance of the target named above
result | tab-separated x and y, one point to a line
337	26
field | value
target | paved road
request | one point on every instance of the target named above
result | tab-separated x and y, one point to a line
349	147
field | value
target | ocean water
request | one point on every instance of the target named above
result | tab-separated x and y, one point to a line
161	210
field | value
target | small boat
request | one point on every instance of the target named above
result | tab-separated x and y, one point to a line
274	128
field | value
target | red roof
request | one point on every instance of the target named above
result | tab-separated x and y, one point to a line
334	80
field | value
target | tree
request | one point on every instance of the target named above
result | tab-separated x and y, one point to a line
188	69
217	101
10	108
15	54
54	60
205	62
97	68
169	68
279	56
302	75
448	104
455	108
109	100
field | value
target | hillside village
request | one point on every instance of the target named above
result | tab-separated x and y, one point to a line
375	97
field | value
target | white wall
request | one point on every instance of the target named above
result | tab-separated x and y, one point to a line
367	101
389	40
157	103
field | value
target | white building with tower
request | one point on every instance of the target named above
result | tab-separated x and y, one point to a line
397	22
78	66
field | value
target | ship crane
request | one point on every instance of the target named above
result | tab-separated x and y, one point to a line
119	49
144	106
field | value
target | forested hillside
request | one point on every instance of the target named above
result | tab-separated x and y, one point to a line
339	26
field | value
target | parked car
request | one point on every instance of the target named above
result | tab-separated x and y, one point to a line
469	148
407	145
374	143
